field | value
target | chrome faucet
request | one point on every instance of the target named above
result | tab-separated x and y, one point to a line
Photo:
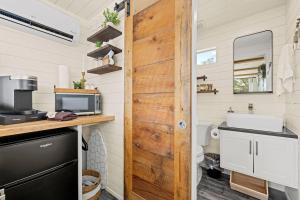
230	110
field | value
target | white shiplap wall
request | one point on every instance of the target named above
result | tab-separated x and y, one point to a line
25	53
111	86
293	100
213	108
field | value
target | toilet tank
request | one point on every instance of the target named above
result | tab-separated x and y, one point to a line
203	133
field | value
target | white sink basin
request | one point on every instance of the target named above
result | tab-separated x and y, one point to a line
255	122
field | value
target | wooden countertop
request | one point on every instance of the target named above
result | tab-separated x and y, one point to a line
15	129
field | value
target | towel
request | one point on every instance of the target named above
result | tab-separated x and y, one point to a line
61	116
285	72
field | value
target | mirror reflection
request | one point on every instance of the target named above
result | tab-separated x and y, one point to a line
253	63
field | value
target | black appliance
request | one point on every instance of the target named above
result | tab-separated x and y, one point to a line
80	104
41	165
16	100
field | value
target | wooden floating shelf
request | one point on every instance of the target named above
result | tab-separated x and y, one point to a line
103	51
215	91
105	34
249	60
76	91
104	69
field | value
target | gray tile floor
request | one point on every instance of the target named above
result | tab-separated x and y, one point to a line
106	196
212	189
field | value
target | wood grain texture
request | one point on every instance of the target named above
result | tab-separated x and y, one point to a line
75	91
159	81
155	108
153	168
16	129
249	182
128	106
150	21
104	69
183	69
153	154
156	48
155	138
149	191
105	34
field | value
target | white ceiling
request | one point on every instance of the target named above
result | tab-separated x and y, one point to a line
210	12
216	12
84	9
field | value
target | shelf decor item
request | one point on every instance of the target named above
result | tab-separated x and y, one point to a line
111	18
81	83
104	54
108	59
99	44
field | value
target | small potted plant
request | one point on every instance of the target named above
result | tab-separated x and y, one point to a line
99	44
111	18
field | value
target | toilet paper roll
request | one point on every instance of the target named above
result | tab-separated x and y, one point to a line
215	134
63	76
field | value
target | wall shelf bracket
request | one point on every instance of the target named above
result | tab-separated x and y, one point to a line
122	5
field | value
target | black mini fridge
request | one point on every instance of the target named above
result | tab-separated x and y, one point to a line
41	165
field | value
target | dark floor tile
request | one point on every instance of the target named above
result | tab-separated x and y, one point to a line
219	189
106	196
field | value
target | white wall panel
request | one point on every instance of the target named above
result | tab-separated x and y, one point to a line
212	107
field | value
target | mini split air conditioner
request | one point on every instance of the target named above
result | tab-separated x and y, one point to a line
40	18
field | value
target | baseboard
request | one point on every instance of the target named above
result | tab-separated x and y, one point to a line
291	194
114	193
277	186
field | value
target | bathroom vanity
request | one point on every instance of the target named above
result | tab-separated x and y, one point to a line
272	156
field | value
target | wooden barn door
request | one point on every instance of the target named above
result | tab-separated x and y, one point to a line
158	101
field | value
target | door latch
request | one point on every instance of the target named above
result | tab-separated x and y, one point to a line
182	124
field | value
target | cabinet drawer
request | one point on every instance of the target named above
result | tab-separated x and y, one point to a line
254	187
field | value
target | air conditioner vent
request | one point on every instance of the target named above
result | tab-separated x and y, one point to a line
35	25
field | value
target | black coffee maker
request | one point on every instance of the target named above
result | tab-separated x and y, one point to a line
16	99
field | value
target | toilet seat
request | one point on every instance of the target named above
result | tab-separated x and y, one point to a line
200	154
200	158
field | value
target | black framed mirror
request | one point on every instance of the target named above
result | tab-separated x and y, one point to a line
253	63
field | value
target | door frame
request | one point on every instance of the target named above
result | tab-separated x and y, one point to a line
183	100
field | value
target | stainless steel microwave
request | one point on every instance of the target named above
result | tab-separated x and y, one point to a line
80	104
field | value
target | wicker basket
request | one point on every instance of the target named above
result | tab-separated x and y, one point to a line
87	189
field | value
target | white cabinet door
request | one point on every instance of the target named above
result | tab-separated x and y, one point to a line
236	151
276	159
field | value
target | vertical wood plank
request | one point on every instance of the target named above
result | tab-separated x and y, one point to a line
159	173
128	102
183	68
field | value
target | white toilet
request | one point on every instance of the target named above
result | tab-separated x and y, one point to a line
203	138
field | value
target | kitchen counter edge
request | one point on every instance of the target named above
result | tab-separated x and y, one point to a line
28	127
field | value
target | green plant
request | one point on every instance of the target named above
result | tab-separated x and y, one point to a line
99	44
111	16
78	85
